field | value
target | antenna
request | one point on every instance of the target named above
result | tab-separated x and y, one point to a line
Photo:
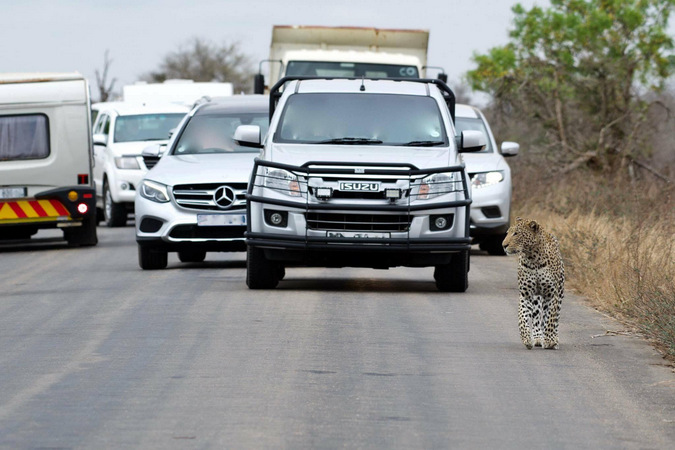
363	80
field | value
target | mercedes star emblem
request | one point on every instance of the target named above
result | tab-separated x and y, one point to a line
224	197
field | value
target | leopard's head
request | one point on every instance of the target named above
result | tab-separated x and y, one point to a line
521	236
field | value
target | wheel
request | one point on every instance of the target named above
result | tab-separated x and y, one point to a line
261	273
191	256
84	235
114	214
493	245
454	276
152	259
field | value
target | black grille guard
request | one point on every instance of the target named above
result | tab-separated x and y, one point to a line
400	170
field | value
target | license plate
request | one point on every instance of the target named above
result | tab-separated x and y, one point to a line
357	234
12	192
359	186
219	220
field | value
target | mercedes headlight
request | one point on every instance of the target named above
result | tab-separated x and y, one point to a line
283	181
127	162
484	179
436	185
153	191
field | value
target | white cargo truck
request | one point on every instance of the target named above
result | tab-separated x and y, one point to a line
46	157
184	92
315	51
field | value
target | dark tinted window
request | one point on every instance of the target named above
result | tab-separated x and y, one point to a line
349	69
24	137
392	119
212	133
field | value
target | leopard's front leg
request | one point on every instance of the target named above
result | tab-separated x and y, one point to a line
524	317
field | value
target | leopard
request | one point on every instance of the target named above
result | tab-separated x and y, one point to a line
541	282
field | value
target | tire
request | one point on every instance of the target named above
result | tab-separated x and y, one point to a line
261	273
191	256
453	277
493	245
82	236
152	259
114	214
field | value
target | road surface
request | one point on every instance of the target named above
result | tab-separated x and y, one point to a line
96	353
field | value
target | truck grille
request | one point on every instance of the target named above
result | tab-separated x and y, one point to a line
358	222
203	196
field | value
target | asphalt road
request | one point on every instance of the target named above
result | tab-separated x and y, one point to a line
96	353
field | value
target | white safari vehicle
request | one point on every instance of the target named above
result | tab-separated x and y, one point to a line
121	132
359	173
45	157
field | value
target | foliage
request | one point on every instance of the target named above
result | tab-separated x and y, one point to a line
200	60
579	70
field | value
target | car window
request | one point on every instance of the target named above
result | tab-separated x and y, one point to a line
24	137
213	133
391	119
145	127
467	124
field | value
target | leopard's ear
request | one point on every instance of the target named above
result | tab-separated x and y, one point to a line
519	219
534	225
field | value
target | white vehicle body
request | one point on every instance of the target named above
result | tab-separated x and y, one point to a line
184	92
193	201
347	51
362	173
118	163
45	156
490	182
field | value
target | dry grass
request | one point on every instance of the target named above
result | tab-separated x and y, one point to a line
618	242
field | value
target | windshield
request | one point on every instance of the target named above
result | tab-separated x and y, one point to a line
212	133
377	119
145	127
349	69
466	124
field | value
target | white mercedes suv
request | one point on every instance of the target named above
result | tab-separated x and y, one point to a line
193	201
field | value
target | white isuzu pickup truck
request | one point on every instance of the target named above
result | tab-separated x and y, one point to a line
359	173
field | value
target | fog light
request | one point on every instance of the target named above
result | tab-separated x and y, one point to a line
82	208
276	218
124	186
440	223
72	196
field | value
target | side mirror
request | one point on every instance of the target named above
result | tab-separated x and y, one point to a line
258	83
152	151
443	77
510	148
248	136
472	141
100	139
171	132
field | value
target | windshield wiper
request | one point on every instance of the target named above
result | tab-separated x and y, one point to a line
423	143
351	141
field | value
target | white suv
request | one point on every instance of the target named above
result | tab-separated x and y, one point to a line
193	201
490	182
121	132
359	173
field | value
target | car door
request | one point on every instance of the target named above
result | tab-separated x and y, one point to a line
101	136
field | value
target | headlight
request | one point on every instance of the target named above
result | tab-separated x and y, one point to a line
127	162
154	191
283	181
436	185
483	179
